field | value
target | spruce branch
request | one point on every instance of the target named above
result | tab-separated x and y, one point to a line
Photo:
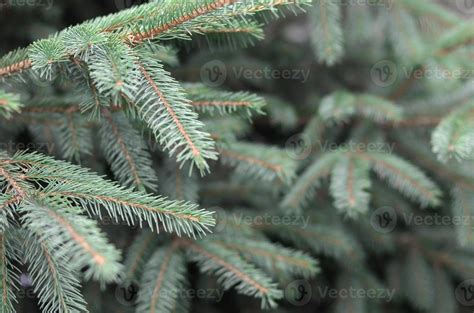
126	152
418	280
233	225
349	186
74	138
7	206
280	113
8	273
9	104
138	255
189	12
46	55
327	240
113	70
304	188
14	62
50	198
226	129
178	183
83	41
134	26
229	33
266	163
443	301
424	154
233	271
457	37
375	242
136	208
327	37
79	238
94	194
461	207
55	284
208	100
163	105
453	137
405	36
432	9
352	304
109	77
196	15
162	280
274	258
398	173
342	105
404	177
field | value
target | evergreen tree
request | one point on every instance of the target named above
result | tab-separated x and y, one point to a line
328	169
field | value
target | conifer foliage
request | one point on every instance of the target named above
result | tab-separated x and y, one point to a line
361	176
116	87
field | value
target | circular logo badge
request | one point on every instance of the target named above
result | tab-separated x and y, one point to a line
384	219
465	292
126	293
298	147
298	292
213	73
465	6
384	73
